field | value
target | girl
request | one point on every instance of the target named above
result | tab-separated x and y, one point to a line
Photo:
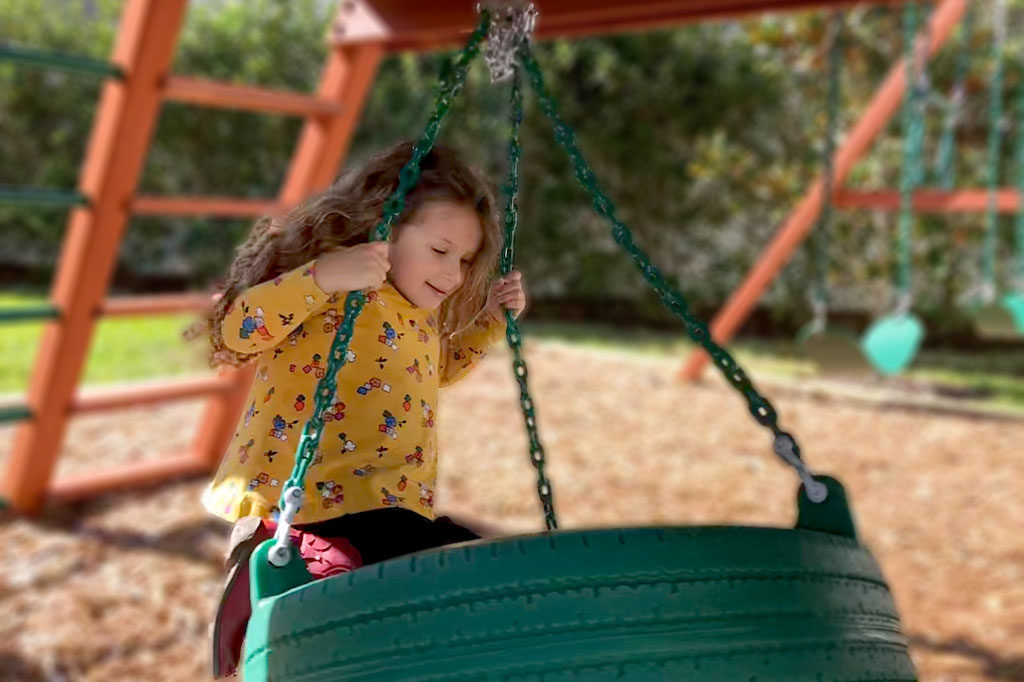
431	314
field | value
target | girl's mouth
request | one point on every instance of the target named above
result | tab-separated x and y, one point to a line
442	293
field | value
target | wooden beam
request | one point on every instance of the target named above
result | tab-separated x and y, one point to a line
117	147
930	201
445	24
106	399
127	306
127	477
322	145
885	102
204	206
246	98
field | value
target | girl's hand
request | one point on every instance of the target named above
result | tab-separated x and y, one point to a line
363	266
508	293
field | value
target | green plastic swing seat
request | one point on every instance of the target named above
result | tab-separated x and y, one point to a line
832	351
1002	320
891	342
637	604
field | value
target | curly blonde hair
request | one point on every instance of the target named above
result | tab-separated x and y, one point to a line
346	214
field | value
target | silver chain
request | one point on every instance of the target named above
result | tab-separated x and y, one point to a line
512	22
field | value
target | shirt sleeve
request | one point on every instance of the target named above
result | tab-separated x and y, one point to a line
470	348
263	315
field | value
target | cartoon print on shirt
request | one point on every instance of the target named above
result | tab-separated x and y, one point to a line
389	336
372	384
263	373
407	402
426	495
402	482
389	499
250	413
243	451
269	394
269	454
364	470
430	366
381	361
414	369
286	320
254	323
316	366
331	493
277	430
332	321
335	412
296	334
390	425
428	415
346	444
300	403
415	457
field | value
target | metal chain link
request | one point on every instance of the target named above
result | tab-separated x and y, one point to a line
945	168
820	299
512	334
995	141
1018	275
763	412
915	56
451	81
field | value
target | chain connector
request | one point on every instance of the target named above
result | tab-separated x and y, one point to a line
512	23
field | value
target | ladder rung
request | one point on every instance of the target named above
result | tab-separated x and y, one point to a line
58	60
36	196
29	314
121	306
127	477
229	96
192	206
14	413
100	400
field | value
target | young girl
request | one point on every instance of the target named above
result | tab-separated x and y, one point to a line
432	311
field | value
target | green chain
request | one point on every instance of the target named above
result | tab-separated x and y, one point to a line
835	54
451	82
995	140
512	334
784	443
945	169
913	145
1018	283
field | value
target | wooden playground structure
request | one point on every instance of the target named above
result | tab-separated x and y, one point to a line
138	81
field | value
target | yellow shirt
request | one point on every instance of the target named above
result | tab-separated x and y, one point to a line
379	443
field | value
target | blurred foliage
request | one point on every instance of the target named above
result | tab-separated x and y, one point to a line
705	136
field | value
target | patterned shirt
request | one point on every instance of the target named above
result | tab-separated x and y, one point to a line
379	443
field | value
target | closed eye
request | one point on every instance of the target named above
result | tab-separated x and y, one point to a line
440	251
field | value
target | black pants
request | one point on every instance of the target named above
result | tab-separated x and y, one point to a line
382	534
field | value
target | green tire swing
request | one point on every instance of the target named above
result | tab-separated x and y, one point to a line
994	318
633	604
832	349
891	342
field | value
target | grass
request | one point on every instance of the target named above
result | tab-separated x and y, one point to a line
137	349
123	349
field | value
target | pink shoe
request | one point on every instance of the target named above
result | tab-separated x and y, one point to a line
324	557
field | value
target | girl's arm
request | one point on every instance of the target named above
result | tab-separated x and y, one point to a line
469	348
263	315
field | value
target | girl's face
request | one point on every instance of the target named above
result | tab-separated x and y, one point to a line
432	252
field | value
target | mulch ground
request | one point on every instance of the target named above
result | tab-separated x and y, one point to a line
122	588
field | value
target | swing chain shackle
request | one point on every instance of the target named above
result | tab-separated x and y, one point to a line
280	553
512	23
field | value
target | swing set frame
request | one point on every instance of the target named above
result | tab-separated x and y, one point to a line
138	81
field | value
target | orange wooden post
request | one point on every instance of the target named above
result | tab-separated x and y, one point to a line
883	105
117	147
346	80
